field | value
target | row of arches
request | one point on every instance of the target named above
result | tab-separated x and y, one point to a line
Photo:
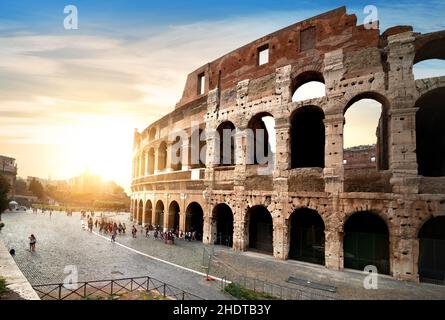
170	219
365	239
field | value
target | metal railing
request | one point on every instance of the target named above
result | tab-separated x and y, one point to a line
112	289
231	275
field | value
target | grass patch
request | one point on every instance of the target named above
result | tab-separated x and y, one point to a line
242	293
3	288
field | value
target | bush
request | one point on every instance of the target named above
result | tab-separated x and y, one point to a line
3	288
242	293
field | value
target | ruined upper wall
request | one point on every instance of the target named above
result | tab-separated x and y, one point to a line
308	39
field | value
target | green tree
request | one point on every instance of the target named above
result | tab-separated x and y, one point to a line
4	198
36	188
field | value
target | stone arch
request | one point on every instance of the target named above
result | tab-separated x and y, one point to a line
431	263
382	130
151	161
152	134
159	214
148	212
308	79
430	136
258	139
225	141
366	242
162	156
307	137
173	215
197	149
260	230
430	46
306	236
194	220
222	224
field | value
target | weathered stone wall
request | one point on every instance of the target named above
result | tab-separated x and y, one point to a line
354	63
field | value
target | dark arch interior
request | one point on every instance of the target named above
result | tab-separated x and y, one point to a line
307	138
224	224
195	219
226	144
260	229
173	216
432	251
177	157
430	134
307	240
159	218
197	147
366	242
260	139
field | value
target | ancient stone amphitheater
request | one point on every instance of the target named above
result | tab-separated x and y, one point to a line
311	206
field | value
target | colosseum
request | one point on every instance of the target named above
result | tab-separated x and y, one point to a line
311	205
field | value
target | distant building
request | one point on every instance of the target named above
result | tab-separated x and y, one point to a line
8	169
360	157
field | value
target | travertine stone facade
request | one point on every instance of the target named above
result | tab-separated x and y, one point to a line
354	63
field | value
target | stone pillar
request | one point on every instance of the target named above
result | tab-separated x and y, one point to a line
146	163
334	237
168	162
185	152
333	171
280	235
156	156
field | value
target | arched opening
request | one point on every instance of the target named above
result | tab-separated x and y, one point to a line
430	135
307	139
173	216
152	134
307	240
261	139
197	152
151	161
260	229
140	212
365	136
159	214
176	154
226	141
162	156
224	224
429	60
432	251
308	85
134	211
366	242
148	212
194	221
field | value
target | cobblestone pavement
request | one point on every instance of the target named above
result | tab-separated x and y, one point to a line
61	242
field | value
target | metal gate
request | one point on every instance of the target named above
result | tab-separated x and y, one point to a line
432	260
362	249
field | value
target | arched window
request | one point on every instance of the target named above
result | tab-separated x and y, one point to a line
176	154
173	216
307	138
197	149
308	85
148	213
261	139
432	251
430	135
162	156
365	135
429	60
223	217
194	221
226	142
260	229
159	214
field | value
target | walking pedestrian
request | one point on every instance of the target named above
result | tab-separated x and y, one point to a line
147	231
32	243
134	231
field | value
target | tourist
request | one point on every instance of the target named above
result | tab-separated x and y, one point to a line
147	231
32	243
82	223
119	228
134	231
114	233
124	227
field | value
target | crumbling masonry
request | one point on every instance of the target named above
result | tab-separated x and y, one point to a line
311	207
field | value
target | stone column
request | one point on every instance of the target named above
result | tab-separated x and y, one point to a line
333	171
168	162
146	163
156	156
280	236
185	151
334	237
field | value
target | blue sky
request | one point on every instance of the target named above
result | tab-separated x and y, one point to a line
74	97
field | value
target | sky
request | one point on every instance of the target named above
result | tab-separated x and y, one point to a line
72	98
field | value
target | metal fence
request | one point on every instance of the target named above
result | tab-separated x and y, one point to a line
229	275
112	289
